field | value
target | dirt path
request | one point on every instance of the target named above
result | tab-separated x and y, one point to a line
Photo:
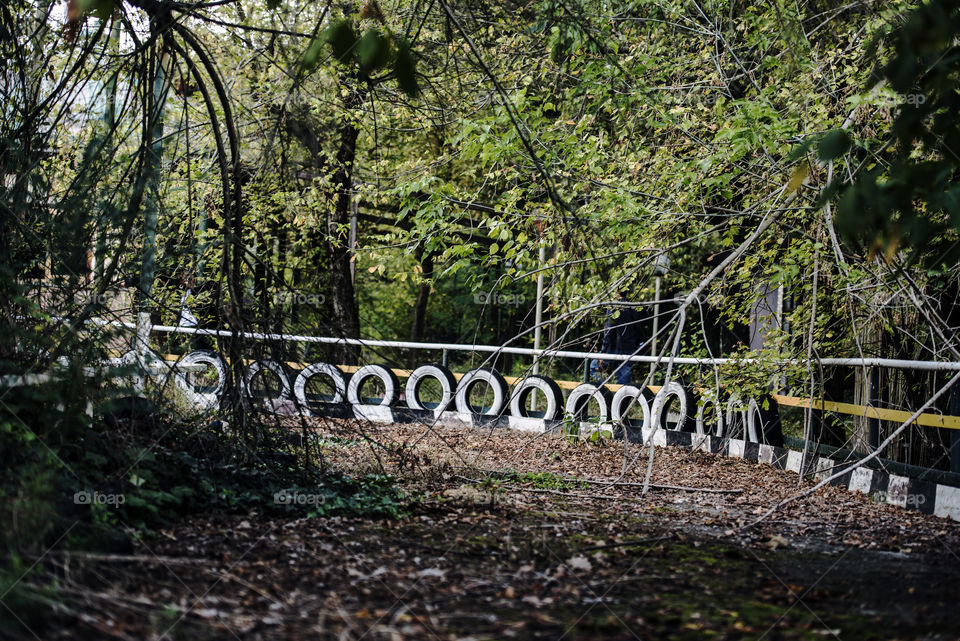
529	555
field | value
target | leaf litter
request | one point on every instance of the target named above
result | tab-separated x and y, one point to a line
510	535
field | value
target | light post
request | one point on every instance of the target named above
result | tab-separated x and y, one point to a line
538	316
660	267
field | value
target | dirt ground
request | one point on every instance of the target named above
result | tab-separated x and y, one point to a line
545	548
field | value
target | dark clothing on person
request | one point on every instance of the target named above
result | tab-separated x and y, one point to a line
621	335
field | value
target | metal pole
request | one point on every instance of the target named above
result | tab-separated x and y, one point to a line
873	424
955	451
538	317
954	434
780	293
660	267
656	318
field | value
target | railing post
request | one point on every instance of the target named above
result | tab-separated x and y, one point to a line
445	359
955	434
656	321
873	424
538	314
660	269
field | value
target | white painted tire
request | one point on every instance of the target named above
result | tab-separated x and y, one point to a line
319	369
390	384
673	388
448	384
579	399
198	357
736	406
534	383
701	426
259	366
475	377
621	401
768	425
753	409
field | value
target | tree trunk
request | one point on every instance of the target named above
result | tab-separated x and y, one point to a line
153	170
423	296
343	301
108	123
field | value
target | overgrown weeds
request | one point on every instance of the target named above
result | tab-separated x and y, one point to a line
98	480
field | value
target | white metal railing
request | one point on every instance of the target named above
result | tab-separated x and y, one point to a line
556	353
158	368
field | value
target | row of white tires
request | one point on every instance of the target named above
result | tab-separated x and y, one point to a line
610	407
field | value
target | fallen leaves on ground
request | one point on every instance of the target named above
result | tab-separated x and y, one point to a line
490	552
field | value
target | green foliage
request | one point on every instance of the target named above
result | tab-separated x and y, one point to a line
906	194
342	40
372	495
652	136
599	434
752	373
203	470
536	480
101	9
833	144
138	476
604	140
373	50
585	431
28	600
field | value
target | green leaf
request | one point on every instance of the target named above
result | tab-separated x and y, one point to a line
373	50
342	39
799	151
102	9
406	70
312	54
834	143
